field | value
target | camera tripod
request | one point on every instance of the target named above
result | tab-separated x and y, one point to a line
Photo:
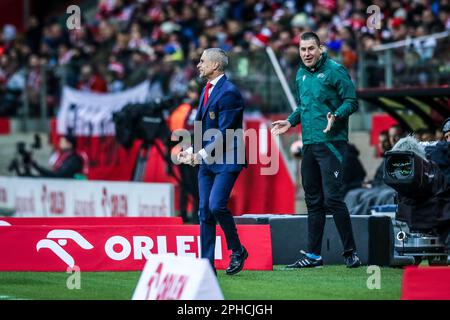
143	157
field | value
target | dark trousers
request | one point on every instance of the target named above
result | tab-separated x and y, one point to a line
215	190
189	186
322	180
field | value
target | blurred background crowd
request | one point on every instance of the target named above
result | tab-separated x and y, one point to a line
123	42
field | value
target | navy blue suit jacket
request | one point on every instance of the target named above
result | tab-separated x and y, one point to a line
224	110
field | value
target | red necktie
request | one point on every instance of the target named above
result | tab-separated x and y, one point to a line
205	97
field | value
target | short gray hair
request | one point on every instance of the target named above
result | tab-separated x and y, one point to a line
217	55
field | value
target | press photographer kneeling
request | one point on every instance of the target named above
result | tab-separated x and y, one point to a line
65	162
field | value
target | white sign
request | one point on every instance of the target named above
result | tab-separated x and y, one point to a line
6	199
91	113
167	277
68	197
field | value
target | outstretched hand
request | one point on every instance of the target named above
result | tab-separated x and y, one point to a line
331	119
280	127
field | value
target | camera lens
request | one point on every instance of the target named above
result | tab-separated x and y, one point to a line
399	167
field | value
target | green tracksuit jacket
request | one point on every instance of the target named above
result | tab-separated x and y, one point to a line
324	88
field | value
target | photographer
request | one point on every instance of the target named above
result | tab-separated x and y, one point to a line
439	152
183	118
67	163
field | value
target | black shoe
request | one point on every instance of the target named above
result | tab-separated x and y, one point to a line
237	262
352	260
305	262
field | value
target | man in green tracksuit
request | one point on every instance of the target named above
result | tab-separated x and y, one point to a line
326	98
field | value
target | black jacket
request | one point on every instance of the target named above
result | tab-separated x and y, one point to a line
440	154
354	173
71	166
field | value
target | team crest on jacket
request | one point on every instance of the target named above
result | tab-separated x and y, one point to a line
212	115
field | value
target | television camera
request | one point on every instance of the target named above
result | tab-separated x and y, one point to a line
423	207
21	163
145	122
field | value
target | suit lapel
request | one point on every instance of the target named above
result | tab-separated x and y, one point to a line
200	108
213	96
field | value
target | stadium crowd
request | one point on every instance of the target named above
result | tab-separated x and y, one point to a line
124	42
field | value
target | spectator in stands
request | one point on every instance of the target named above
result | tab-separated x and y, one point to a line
396	132
14	84
138	69
374	192
82	39
90	80
33	34
66	162
383	143
157	28
354	173
425	135
34	83
116	73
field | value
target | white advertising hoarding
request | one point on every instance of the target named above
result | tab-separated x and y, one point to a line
66	197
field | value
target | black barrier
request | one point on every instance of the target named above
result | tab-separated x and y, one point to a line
373	237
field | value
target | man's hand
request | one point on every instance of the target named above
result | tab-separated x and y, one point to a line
331	119
280	127
184	157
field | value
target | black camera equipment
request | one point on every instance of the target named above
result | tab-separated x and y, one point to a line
21	163
146	122
423	206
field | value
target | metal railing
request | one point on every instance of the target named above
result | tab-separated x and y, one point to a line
421	61
256	76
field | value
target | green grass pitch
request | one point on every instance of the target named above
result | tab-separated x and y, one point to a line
329	282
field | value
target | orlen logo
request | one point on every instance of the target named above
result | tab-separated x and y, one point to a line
55	199
115	205
56	247
169	287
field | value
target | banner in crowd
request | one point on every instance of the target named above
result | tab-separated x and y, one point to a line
119	248
91	113
67	197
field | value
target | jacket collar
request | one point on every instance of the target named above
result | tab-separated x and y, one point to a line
217	79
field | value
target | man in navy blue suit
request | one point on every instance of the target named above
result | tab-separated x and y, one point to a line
221	157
